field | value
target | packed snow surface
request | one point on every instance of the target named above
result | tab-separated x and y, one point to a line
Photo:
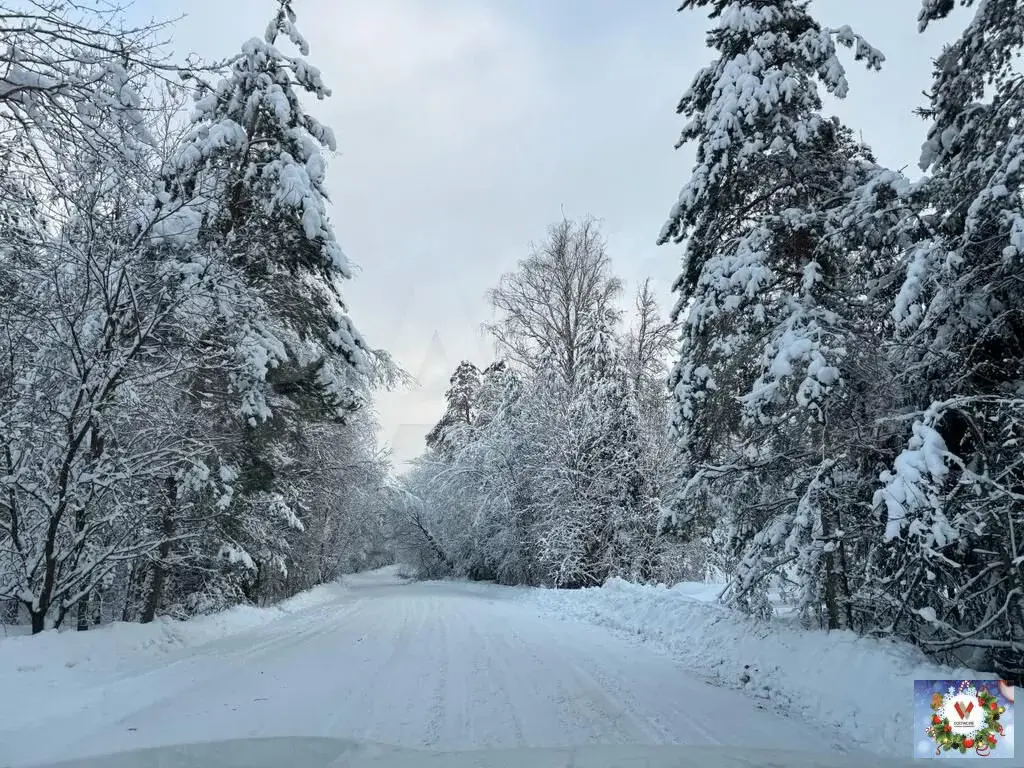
454	666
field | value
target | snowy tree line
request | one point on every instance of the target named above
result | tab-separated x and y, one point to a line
549	465
185	405
847	394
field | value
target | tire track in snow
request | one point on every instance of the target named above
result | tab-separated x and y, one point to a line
618	695
494	680
585	704
437	700
365	693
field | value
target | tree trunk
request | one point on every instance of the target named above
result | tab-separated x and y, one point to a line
135	575
156	588
82	611
38	621
833	573
159	577
844	584
95	452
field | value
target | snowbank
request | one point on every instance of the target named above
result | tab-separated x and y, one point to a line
861	686
115	647
122	647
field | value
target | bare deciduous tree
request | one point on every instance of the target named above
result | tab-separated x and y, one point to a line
548	306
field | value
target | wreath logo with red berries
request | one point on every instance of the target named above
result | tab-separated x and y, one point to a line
965	718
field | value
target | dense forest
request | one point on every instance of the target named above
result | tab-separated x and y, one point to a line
184	401
830	417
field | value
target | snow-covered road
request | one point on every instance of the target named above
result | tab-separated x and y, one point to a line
442	665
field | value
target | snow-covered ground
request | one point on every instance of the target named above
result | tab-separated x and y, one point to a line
455	666
860	689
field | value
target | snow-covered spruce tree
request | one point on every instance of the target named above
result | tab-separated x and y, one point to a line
496	382
951	577
452	428
768	297
465	384
279	348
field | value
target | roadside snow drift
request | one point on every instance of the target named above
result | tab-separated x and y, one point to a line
862	688
123	644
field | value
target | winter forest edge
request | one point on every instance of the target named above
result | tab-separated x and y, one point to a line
830	419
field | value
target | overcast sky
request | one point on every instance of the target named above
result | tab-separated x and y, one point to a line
465	127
